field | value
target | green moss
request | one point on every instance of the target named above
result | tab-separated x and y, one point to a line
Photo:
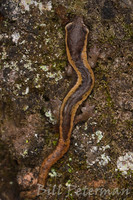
128	31
107	35
76	7
54	143
108	98
70	168
129	123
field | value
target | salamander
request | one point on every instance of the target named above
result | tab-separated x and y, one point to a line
76	48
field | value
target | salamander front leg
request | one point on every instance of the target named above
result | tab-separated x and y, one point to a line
93	55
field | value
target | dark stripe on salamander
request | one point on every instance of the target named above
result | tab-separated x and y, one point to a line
75	97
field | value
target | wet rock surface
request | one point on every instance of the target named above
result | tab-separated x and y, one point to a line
32	76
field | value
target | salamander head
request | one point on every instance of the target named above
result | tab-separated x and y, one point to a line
76	33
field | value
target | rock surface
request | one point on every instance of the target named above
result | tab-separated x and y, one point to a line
32	75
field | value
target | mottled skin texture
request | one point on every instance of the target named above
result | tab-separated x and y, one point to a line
76	43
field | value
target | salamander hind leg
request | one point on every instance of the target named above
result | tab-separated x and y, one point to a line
86	112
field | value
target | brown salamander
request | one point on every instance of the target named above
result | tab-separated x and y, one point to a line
76	47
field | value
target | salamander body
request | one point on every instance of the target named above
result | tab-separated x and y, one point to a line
76	48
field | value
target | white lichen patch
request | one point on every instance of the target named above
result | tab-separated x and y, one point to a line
37	81
98	135
45	68
98	155
125	163
53	173
39	5
6	65
68	183
56	75
4	35
11	65
103	148
4	54
28	65
94	149
25	4
93	123
26	91
25	153
48	6
50	116
104	159
25	107
15	37
36	135
16	89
